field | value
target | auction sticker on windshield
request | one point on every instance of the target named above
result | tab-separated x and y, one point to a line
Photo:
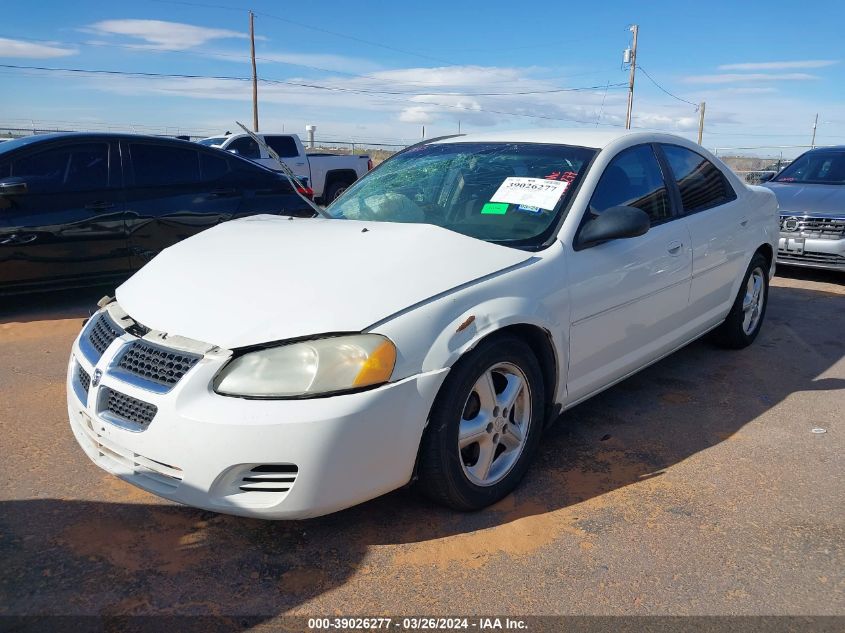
534	192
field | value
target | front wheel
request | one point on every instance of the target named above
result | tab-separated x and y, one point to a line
484	427
745	319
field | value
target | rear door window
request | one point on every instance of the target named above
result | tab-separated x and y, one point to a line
162	165
634	179
284	146
701	183
245	147
213	167
79	167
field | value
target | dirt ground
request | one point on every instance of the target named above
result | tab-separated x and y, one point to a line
695	487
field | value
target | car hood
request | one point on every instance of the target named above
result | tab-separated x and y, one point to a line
797	198
268	278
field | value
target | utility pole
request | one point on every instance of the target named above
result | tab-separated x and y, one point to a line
634	29
815	125
701	107
254	72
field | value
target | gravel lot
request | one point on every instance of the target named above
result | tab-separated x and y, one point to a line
695	487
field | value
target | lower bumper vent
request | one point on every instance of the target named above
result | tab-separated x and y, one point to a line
148	473
269	478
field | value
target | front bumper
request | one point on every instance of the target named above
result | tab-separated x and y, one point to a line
275	459
795	250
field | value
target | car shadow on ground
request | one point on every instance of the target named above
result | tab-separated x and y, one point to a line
59	304
135	555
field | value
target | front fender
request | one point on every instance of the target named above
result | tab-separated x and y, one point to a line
436	334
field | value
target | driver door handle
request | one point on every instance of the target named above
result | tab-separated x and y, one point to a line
674	248
19	238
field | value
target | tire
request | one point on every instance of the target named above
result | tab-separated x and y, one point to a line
482	400
745	319
334	190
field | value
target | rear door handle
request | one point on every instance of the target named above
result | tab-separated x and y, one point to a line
674	247
99	206
743	222
19	238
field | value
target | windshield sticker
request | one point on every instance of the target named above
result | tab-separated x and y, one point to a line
494	208
529	209
534	192
567	176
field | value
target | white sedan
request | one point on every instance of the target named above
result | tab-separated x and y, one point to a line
462	296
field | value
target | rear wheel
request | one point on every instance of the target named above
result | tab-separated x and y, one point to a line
334	190
745	319
484	427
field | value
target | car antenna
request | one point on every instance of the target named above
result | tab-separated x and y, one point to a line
285	170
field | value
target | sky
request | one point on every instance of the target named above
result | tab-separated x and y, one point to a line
377	72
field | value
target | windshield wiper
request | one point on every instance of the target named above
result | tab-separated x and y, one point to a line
286	171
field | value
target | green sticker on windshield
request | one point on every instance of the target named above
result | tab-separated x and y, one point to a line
495	208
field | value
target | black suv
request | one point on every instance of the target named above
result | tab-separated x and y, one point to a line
84	209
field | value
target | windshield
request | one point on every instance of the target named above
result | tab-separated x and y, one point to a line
826	168
498	192
214	141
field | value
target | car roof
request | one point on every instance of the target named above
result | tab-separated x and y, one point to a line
829	148
580	137
54	136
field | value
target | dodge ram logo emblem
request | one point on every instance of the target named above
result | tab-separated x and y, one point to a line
790	224
95	379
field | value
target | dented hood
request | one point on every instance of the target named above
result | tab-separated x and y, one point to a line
269	278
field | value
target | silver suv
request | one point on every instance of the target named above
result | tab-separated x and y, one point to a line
811	196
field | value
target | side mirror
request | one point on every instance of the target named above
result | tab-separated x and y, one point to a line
766	176
613	224
12	187
233	151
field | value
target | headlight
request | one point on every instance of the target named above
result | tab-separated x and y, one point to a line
308	368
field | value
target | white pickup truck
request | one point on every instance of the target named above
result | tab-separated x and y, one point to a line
328	175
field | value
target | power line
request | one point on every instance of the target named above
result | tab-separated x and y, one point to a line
300	84
314	86
274	60
674	96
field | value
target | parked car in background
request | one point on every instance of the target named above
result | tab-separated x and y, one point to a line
459	297
83	209
328	175
811	195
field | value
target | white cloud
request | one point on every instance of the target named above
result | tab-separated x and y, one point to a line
31	50
727	78
161	35
338	63
416	114
808	63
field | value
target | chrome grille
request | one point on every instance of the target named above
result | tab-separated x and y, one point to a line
160	365
84	378
127	408
102	332
817	228
814	258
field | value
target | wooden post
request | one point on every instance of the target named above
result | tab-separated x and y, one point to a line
701	121
254	72
635	29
